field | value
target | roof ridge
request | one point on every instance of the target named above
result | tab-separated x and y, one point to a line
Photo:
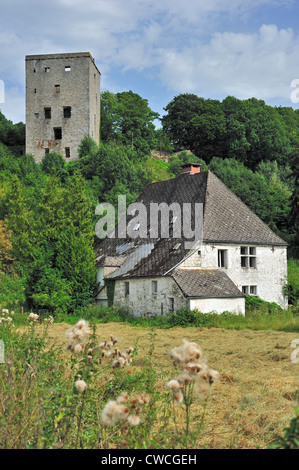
246	207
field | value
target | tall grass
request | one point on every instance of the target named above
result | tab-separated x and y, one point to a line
260	315
86	394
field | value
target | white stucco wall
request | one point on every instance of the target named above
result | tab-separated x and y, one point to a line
234	305
141	300
269	275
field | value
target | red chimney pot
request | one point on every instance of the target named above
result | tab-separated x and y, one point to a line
191	168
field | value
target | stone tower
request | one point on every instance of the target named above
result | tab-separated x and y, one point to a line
62	103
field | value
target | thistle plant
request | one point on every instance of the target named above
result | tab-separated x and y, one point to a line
195	379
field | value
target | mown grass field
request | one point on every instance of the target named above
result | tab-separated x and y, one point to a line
255	398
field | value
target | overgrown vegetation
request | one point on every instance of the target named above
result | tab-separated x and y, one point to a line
109	388
94	396
47	210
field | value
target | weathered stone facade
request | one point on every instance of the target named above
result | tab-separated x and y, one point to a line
263	274
62	103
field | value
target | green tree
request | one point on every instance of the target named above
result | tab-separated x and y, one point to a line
127	119
195	124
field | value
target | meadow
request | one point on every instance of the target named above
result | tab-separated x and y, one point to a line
116	388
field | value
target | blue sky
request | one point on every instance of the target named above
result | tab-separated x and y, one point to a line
160	48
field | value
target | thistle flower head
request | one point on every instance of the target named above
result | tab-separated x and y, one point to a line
187	352
113	412
174	385
78	334
33	317
81	386
134	420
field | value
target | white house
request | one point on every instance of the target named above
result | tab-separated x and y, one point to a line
236	254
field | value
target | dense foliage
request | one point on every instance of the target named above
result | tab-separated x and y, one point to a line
47	211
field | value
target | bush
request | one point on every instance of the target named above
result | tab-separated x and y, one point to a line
186	317
290	439
255	303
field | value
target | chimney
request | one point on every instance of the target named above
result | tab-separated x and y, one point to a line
190	168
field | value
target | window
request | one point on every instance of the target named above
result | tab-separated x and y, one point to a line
36	115
34	90
47	69
248	257
67	152
251	290
222	258
171	304
47	113
47	151
57	133
67	68
57	89
34	71
67	112
154	287
127	288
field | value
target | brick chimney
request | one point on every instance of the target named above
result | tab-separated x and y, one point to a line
190	168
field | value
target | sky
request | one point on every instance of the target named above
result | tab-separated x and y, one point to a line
160	48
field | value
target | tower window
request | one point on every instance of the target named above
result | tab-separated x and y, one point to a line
57	89
67	112
36	115
34	90
67	68
67	152
57	133
47	113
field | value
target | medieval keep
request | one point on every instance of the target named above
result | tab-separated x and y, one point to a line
62	103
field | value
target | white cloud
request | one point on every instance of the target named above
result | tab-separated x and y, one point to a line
184	44
244	65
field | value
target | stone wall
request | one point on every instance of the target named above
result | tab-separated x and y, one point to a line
60	81
142	301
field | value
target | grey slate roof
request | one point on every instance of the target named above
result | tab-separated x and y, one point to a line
226	220
205	283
